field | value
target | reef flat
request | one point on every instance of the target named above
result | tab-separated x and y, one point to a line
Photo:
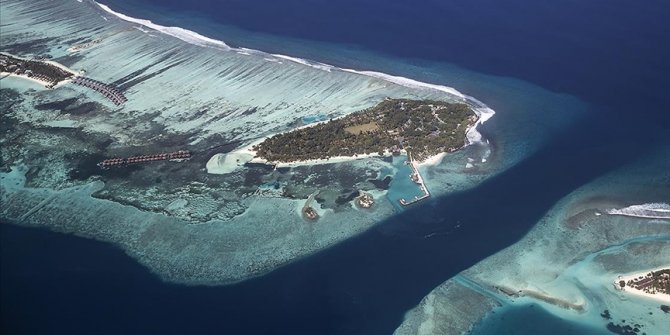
567	264
183	223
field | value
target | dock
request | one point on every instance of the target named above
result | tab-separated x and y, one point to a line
116	162
415	176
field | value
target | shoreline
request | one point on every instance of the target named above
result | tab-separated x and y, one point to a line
433	160
248	150
321	161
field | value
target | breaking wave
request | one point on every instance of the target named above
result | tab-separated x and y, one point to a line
180	33
651	211
483	112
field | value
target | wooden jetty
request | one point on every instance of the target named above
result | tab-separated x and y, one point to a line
364	200
415	176
110	92
115	162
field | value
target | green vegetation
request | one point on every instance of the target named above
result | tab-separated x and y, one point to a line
423	127
662	281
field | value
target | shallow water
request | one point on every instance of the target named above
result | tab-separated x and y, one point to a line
545	145
402	186
216	95
531	319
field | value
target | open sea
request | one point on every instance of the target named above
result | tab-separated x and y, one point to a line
612	54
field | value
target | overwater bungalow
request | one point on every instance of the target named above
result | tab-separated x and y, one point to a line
310	213
365	200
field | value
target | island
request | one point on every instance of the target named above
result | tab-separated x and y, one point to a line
365	200
46	73
653	284
423	127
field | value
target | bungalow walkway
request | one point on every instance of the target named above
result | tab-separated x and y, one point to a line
177	155
110	92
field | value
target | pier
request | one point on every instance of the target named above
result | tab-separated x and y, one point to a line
415	176
110	92
364	200
51	73
116	162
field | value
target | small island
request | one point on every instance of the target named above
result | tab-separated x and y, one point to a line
424	127
655	284
365	200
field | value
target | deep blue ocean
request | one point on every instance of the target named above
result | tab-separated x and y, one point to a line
612	54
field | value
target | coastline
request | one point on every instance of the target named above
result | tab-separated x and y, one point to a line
433	160
248	150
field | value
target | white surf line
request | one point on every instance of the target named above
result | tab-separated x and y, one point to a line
649	211
178	32
483	112
316	65
407	82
